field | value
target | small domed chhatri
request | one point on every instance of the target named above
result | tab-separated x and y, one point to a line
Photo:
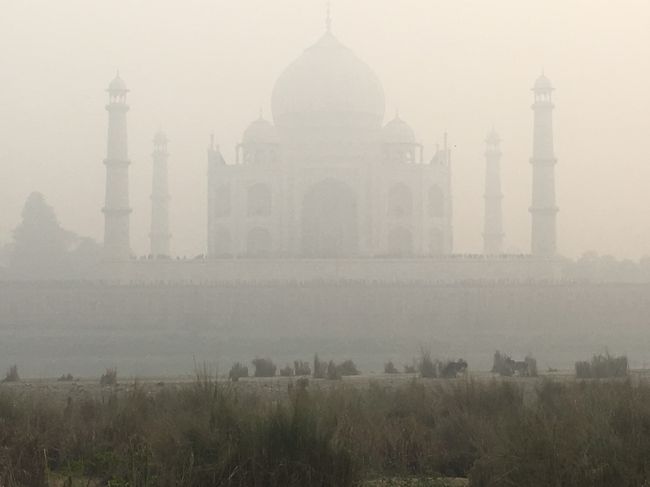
543	84
260	131
397	131
118	84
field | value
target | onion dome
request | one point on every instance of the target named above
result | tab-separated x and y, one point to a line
328	78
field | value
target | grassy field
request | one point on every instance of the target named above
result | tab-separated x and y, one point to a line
369	431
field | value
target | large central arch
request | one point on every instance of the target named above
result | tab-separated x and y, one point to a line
329	220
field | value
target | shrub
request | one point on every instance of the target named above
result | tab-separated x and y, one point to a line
320	368
264	367
66	378
531	365
348	367
410	369
427	366
507	367
501	364
108	378
237	371
389	368
12	374
333	372
602	366
286	371
301	368
451	368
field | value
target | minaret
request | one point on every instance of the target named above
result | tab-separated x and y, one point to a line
493	226
160	235
116	209
543	210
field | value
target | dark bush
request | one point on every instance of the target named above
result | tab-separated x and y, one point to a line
108	378
531	366
389	368
301	368
66	378
501	364
410	369
320	368
452	368
286	371
507	367
333	372
603	366
237	371
427	366
347	367
12	374
264	367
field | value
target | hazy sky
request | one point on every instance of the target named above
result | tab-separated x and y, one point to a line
195	67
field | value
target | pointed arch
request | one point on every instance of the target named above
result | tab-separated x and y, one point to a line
400	201
329	220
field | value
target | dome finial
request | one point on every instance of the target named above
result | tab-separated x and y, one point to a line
328	19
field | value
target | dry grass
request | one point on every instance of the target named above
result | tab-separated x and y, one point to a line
391	431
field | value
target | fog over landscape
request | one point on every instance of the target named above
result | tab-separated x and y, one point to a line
205	67
299	243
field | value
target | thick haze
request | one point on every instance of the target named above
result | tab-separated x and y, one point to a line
196	67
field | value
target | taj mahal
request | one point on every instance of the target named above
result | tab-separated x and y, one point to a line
327	189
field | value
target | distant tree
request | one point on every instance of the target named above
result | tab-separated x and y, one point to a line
410	369
12	374
603	366
237	371
301	368
286	371
427	366
333	372
264	367
389	368
348	367
452	368
320	368
108	378
39	241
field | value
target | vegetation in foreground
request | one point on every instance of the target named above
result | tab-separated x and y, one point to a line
594	434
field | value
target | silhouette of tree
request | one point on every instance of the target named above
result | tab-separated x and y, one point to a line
40	244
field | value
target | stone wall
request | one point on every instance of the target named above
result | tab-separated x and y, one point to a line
54	328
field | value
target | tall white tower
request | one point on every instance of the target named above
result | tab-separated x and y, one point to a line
543	209
159	234
493	226
116	208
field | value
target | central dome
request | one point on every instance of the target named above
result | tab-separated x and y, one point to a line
328	78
